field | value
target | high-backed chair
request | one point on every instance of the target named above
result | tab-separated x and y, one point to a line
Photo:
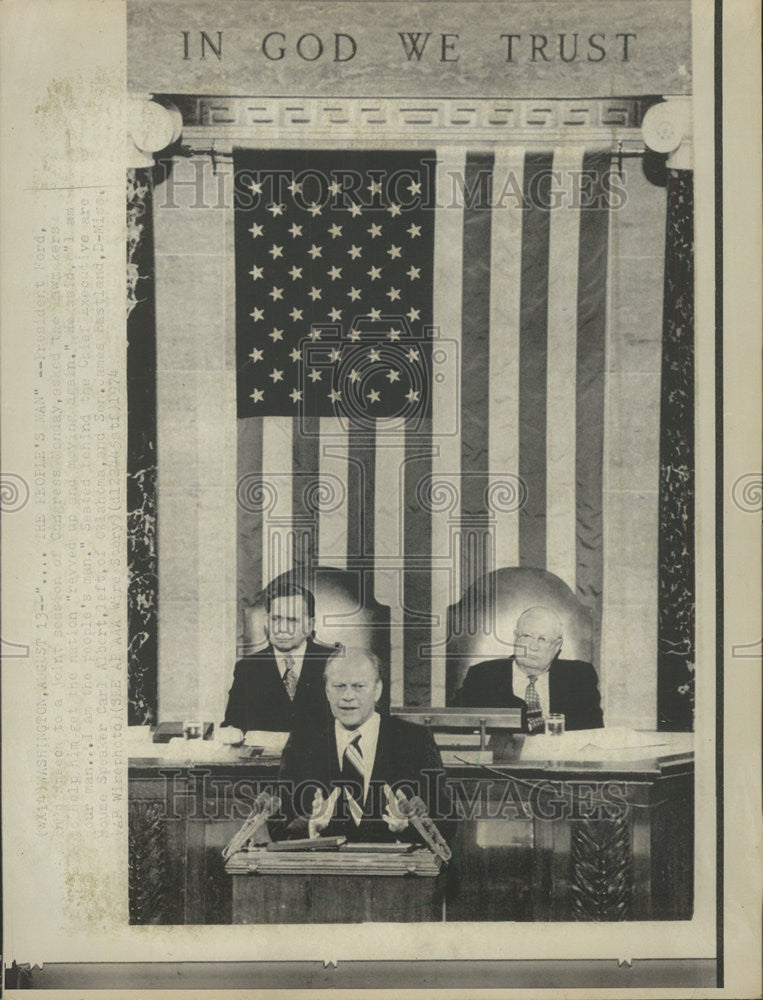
345	612
481	625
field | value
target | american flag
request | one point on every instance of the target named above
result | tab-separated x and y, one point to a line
421	376
335	307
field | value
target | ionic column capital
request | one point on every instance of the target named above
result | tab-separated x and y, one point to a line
151	127
667	128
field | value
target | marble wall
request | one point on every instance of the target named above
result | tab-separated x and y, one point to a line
676	644
142	590
632	444
196	418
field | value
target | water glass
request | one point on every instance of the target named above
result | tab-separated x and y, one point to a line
555	725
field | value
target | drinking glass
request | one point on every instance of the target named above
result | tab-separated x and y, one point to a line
555	725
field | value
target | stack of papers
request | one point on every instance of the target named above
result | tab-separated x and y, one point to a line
195	751
272	743
615	744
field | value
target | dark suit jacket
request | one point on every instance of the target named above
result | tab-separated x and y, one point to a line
404	753
258	699
572	687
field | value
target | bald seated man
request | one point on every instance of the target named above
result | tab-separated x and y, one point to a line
536	677
340	779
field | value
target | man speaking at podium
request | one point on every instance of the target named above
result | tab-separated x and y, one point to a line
340	779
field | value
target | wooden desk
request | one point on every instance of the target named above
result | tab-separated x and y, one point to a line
334	887
541	840
573	840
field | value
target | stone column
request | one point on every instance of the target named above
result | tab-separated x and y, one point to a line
151	128
667	129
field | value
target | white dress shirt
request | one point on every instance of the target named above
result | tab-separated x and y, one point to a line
297	655
369	737
520	680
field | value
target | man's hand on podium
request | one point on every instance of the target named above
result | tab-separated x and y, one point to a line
393	817
323	810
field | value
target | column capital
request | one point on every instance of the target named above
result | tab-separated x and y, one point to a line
667	128
151	127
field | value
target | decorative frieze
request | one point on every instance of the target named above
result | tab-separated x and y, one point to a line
246	119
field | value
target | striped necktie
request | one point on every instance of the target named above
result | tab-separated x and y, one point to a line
352	760
534	710
352	769
290	676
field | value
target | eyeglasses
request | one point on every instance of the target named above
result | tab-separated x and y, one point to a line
281	622
525	639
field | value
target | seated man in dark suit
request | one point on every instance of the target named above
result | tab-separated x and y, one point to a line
363	756
277	687
536	677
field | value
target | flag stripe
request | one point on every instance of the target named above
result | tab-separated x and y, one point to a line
503	444
590	387
305	514
475	369
277	524
390	459
332	465
249	510
562	345
446	406
360	489
533	358
417	579
389	513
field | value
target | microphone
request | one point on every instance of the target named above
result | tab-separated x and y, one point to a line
264	807
416	812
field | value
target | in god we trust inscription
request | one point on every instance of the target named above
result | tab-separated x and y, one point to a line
339	47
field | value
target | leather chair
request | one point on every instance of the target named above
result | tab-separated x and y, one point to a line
344	612
481	625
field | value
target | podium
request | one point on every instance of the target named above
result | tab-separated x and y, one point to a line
350	885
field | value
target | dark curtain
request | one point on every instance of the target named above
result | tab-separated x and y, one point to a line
676	639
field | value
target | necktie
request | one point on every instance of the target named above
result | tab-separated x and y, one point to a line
534	710
352	760
352	769
290	676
